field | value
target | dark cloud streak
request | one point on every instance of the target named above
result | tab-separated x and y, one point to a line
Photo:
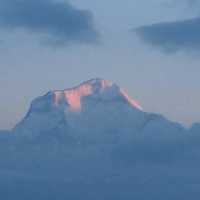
172	36
60	22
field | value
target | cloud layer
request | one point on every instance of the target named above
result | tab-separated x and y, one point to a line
172	36
59	22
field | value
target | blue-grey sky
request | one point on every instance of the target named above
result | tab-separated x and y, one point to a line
150	48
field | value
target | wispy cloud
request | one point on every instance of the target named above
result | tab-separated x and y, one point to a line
59	22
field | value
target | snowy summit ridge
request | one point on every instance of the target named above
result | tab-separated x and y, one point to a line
97	88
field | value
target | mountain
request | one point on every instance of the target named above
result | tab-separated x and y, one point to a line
97	111
99	114
94	107
95	142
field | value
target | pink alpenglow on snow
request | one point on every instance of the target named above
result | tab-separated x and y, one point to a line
105	84
73	96
133	102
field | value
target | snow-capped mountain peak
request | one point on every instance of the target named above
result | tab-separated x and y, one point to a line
98	88
97	104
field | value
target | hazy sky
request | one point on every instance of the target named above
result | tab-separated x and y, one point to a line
150	48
